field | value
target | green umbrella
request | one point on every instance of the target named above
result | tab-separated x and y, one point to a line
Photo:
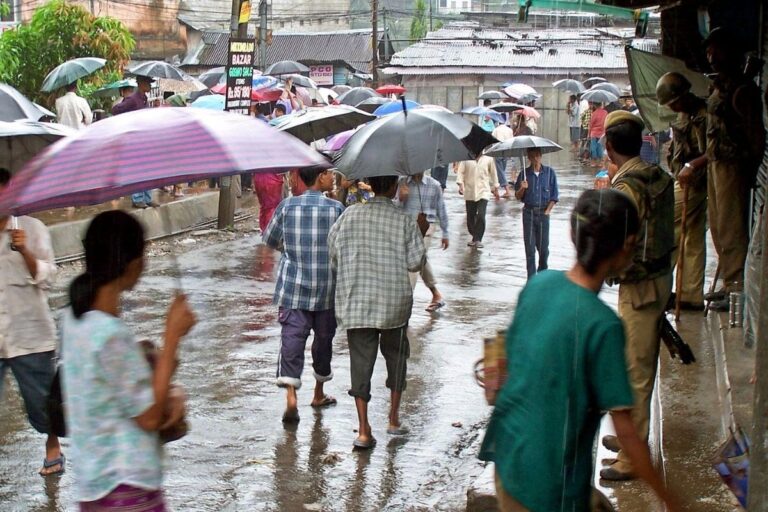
71	71
113	89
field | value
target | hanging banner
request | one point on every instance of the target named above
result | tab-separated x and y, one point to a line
322	75
240	75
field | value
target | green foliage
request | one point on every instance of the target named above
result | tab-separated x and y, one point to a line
438	25
58	32
5	8
419	21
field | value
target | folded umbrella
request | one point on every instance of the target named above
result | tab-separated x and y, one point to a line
409	142
493	95
150	148
605	86
24	139
395	106
391	89
315	123
599	96
569	85
113	89
14	105
519	146
356	95
71	71
286	67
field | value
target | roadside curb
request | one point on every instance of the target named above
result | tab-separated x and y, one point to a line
162	221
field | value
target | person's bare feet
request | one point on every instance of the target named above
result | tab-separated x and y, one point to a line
291	413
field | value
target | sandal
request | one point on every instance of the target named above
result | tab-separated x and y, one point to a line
434	306
47	464
357	444
327	401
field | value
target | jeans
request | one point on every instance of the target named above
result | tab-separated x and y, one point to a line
297	323
536	238
440	173
476	219
142	197
501	172
34	374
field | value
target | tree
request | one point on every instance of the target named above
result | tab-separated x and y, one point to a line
58	32
419	22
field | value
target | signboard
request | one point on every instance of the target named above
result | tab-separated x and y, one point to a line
322	75
240	75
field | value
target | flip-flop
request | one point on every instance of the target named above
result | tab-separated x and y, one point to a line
60	461
327	401
434	306
398	431
291	416
357	444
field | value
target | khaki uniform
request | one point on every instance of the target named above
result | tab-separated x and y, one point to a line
645	288
690	142
734	148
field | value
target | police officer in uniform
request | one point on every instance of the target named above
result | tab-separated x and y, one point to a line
735	140
688	163
645	287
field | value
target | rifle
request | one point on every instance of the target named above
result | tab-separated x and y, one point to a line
675	344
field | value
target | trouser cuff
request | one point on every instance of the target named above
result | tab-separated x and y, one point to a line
357	394
323	378
284	382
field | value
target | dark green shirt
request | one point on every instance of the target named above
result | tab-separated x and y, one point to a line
565	352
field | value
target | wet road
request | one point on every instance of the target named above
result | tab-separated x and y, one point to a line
239	456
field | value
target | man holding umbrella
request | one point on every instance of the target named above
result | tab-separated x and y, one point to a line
137	101
536	187
73	110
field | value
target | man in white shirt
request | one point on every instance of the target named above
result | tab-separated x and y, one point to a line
72	110
477	180
27	330
502	133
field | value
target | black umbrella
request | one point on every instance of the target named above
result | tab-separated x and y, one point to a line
589	82
286	67
371	104
159	69
520	144
315	123
409	142
213	76
356	95
14	105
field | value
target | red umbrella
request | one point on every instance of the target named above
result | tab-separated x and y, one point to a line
219	89
391	89
260	95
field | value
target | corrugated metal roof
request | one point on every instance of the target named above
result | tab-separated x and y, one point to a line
352	47
465	45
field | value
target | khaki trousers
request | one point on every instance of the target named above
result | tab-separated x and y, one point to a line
728	203
426	271
641	306
695	242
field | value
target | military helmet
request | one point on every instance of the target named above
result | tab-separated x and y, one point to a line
670	87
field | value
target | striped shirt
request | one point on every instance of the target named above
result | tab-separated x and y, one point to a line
373	246
299	228
426	197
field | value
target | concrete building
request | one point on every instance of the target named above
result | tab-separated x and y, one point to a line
455	64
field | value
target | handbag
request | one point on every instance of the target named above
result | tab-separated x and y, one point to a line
491	370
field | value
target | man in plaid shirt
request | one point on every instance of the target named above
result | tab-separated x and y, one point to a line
305	286
373	247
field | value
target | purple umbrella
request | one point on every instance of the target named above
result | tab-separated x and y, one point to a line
337	142
147	149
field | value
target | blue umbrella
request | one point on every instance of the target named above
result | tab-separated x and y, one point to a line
394	107
212	102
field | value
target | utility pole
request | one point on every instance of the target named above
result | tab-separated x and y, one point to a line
375	41
430	14
230	185
263	34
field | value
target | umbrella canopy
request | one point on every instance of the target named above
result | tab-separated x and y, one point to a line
316	123
436	107
113	89
391	89
589	82
395	106
519	109
356	95
45	111
322	95
22	140
410	142
71	71
192	96
302	81
286	67
519	145
14	105
338	141
483	111
599	96
340	89
569	85
176	145
605	86
517	91
212	102
158	69
493	95
177	100
213	76
371	104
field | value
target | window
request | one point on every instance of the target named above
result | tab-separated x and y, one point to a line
443	3
464	4
453	4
